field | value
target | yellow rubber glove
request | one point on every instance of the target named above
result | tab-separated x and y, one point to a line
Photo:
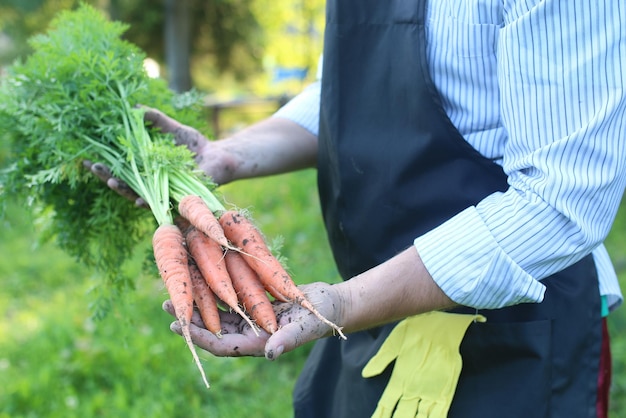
428	364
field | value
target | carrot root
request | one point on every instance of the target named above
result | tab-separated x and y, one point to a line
209	257
172	261
205	301
195	210
243	233
187	336
250	291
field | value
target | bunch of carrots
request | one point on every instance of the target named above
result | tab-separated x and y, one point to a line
207	255
76	98
204	260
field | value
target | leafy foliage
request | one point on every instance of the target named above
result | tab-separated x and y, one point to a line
19	19
71	101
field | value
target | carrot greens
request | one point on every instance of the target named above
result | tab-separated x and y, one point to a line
75	98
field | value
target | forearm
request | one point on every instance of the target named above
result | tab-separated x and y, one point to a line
272	146
393	290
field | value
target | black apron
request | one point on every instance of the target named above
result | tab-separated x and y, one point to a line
391	167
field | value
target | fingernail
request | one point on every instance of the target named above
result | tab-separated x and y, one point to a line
274	354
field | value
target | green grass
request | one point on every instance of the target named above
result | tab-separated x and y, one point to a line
56	361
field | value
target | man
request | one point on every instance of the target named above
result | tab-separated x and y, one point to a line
471	161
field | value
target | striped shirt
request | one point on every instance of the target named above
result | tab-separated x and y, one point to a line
536	86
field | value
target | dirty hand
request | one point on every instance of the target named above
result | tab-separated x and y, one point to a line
103	172
211	159
297	326
183	135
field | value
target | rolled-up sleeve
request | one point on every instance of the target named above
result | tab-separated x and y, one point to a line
304	108
563	106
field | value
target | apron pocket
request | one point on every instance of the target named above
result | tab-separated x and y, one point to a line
506	368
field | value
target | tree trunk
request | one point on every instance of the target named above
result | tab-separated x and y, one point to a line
114	10
178	44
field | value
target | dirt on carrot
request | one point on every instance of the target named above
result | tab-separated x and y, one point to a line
209	257
242	232
205	300
250	291
195	210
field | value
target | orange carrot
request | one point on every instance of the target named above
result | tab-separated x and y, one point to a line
199	215
171	258
209	257
205	300
244	234
250	291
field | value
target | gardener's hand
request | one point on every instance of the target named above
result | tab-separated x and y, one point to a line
104	173
212	159
183	135
272	146
297	326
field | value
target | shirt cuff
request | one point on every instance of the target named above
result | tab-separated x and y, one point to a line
471	269
304	109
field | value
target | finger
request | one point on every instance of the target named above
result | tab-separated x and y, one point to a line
284	340
125	191
297	327
101	171
122	188
183	135
189	137
160	120
229	345
231	322
104	173
169	308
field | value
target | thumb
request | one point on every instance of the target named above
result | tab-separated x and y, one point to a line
282	341
160	120
291	336
183	134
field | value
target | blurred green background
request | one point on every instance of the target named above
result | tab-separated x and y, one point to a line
226	48
57	361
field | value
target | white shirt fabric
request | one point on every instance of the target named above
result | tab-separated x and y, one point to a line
536	86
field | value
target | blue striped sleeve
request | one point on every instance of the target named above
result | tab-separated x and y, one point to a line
562	112
304	108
